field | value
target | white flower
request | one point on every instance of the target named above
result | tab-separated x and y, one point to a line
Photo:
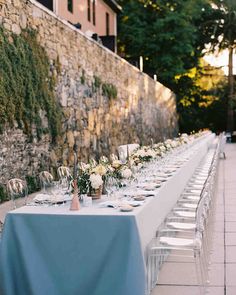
162	148
168	146
131	161
83	166
110	168
126	173
150	153
99	169
158	152
104	159
141	153
116	164
139	166
96	180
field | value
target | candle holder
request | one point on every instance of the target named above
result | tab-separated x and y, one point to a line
75	204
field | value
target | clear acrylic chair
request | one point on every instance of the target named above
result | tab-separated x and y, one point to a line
65	177
222	140
186	228
46	181
18	192
126	150
169	242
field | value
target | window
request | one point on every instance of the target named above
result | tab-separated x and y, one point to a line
107	24
94	12
70	5
89	10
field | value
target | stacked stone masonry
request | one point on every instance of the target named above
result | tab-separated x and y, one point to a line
143	108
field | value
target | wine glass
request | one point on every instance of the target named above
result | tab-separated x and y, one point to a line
110	185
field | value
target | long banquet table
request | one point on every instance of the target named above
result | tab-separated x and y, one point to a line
93	251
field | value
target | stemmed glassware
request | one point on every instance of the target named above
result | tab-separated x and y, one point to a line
110	185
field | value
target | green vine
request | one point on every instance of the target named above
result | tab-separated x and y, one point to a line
3	194
109	90
27	83
32	183
82	78
96	84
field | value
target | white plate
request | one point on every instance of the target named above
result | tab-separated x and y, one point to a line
126	208
139	198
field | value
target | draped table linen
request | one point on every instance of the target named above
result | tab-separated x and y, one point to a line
94	251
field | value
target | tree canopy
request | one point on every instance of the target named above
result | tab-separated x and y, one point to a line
222	28
164	32
171	36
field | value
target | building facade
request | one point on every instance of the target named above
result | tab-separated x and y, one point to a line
96	18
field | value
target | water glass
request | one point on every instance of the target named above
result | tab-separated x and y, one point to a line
87	201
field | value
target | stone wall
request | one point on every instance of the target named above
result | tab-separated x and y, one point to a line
142	109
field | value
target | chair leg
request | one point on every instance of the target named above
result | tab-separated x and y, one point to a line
199	272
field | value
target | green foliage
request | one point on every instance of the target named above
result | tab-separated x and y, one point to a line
220	28
83	183
171	36
96	84
201	100
221	31
163	32
82	78
3	194
109	90
32	183
27	84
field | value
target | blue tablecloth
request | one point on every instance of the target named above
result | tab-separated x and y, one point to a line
71	255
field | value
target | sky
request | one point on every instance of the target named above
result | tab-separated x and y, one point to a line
221	60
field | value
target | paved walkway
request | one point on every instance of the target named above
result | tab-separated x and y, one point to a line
178	278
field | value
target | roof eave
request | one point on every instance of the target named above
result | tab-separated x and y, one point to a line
114	6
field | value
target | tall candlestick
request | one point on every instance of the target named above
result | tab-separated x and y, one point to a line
75	161
75	166
151	143
127	146
75	205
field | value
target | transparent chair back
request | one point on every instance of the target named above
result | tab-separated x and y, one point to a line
64	177
126	150
46	181
18	191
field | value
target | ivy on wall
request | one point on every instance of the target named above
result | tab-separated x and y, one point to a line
109	90
27	84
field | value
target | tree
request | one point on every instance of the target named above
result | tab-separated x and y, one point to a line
201	99
164	32
221	27
171	36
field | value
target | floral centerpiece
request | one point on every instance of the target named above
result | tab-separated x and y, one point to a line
90	179
143	154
